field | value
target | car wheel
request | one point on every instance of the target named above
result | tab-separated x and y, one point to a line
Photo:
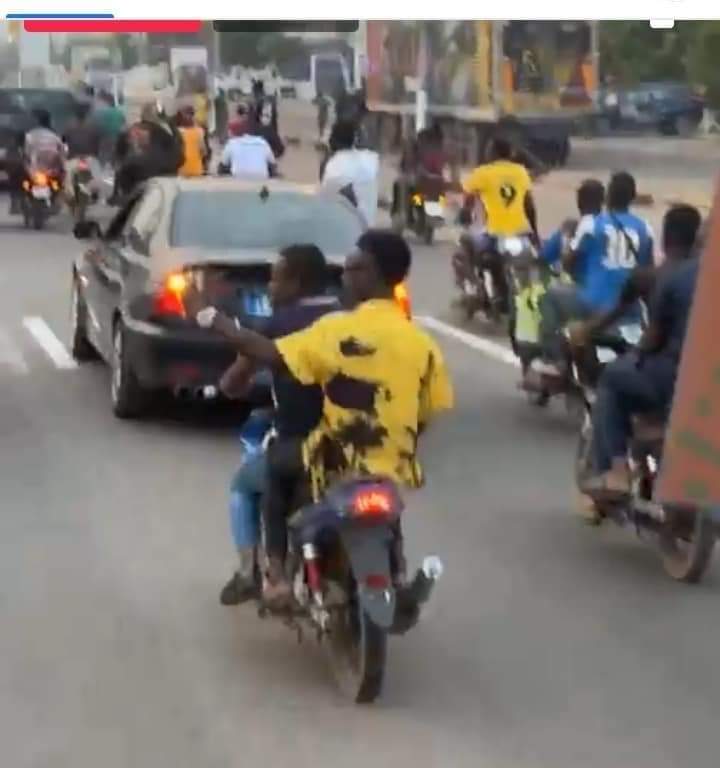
127	396
81	348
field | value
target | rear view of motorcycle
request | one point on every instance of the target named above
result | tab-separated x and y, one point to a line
40	198
82	193
684	536
346	567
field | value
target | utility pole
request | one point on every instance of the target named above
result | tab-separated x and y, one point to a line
422	70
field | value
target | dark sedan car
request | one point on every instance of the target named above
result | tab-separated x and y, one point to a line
220	235
667	108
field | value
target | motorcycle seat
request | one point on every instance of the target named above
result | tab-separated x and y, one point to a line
649	428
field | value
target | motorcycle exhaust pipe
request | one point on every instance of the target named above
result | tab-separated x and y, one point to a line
411	598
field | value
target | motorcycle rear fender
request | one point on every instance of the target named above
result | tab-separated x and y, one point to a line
368	549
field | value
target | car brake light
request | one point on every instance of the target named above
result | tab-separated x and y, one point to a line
372	502
402	298
40	179
169	299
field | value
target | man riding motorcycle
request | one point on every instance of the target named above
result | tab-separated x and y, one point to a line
298	294
41	147
604	252
504	187
382	378
643	381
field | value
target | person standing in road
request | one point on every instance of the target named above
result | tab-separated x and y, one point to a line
194	145
246	155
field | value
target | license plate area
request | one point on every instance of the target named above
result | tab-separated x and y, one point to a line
434	209
41	193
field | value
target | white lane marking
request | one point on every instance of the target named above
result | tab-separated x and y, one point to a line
52	346
10	354
490	348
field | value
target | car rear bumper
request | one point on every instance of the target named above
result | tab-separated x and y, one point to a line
175	358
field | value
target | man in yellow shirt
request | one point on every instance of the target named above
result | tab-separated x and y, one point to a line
504	188
194	144
383	378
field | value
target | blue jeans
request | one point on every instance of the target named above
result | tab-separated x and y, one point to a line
247	487
626	390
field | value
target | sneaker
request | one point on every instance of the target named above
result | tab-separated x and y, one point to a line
239	590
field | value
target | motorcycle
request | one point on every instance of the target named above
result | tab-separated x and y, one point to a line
685	537
83	192
424	210
40	197
345	568
476	275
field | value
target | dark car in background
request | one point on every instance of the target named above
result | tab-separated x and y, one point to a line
16	114
672	109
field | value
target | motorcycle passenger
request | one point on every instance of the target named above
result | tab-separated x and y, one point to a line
82	139
297	289
504	187
383	379
643	382
110	120
43	146
356	168
604	252
246	155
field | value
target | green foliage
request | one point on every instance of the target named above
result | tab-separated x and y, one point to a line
632	52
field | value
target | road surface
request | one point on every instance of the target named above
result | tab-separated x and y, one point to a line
548	644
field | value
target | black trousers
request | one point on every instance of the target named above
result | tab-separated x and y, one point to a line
286	490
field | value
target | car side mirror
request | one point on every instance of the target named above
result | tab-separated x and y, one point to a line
87	230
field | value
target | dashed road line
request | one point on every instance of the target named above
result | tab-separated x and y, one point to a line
489	348
51	345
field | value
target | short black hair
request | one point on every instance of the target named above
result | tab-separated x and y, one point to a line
621	191
501	148
342	135
306	263
590	196
43	117
390	252
680	226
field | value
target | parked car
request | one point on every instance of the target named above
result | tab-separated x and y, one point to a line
220	235
667	108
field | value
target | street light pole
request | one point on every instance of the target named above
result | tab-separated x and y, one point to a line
422	69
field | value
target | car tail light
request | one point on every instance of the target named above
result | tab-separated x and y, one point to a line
402	297
40	179
372	502
169	298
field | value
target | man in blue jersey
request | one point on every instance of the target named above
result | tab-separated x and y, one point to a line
643	381
604	252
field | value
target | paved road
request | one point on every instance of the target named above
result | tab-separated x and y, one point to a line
548	644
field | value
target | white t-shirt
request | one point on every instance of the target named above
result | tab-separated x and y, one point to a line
360	168
248	156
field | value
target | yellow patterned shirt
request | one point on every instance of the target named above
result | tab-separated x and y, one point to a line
382	377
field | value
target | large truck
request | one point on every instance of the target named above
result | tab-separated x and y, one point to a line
532	80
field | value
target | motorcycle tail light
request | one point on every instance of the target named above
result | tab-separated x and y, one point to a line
54	185
40	179
417	199
373	502
169	298
402	298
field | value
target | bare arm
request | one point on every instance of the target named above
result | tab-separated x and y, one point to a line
256	348
235	382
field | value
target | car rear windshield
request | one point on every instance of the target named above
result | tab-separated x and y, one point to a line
232	219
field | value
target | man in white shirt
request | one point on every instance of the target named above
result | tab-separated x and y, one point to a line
246	155
355	168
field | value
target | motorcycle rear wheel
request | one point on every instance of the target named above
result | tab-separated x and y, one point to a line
358	653
684	558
